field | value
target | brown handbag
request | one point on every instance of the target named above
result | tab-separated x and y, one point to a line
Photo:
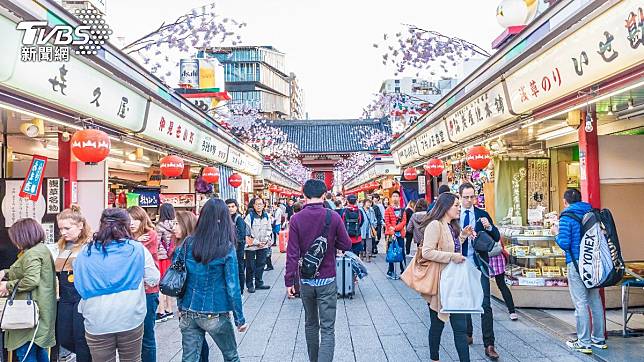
422	275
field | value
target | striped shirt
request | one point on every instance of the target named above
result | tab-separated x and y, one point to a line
318	282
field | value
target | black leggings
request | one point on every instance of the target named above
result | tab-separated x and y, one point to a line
459	326
408	239
505	292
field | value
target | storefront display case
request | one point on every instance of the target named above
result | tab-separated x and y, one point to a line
536	268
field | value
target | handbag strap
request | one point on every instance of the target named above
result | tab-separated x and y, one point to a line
31	343
484	264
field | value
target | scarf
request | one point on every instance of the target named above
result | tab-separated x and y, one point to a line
100	274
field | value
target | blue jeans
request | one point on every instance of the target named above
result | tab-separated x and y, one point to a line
194	326
149	348
36	354
588	304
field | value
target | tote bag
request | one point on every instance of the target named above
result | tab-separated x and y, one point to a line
461	290
422	275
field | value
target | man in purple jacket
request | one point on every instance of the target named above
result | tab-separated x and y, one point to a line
319	296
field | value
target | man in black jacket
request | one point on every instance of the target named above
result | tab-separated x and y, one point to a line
240	231
380	219
480	220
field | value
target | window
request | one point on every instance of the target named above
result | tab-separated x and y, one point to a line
397	81
397	90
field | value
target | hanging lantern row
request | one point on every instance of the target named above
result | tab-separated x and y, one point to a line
434	167
235	180
210	174
410	174
478	157
171	166
91	145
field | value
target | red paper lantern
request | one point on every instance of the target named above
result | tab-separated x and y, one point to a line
478	157
273	188
375	185
122	200
434	167
410	174
210	174
235	180
171	166
91	145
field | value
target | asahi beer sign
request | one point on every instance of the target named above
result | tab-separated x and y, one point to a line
189	72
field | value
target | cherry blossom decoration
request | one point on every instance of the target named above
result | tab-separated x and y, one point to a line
401	110
352	165
198	29
426	50
372	138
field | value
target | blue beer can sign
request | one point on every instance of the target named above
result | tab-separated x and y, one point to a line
189	72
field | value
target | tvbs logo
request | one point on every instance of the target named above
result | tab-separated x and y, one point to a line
36	33
42	42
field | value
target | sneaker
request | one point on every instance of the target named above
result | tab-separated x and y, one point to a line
251	289
577	346
168	315
262	287
600	345
268	268
514	317
161	318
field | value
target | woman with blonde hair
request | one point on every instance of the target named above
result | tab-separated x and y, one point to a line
75	232
143	230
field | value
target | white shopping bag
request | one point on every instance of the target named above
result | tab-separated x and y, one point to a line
460	289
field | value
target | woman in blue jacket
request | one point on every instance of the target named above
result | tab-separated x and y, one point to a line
212	287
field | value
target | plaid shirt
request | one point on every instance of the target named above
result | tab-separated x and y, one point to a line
497	265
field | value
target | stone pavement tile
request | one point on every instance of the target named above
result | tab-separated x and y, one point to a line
398	348
417	334
364	339
519	351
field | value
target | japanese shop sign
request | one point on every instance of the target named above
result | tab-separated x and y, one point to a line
235	160
433	140
611	42
53	196
213	149
178	200
148	198
252	166
406	154
478	115
166	127
32	184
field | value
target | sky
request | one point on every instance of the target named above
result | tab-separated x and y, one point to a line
328	44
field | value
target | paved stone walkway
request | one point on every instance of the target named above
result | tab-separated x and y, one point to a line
386	321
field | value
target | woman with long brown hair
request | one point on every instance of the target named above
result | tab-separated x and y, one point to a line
143	231
442	244
75	232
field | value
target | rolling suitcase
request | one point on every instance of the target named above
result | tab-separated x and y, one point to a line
283	240
344	277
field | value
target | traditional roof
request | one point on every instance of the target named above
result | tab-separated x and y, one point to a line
332	136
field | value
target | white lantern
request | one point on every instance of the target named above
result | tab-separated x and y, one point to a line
512	13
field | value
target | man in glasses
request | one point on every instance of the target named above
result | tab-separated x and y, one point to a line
479	220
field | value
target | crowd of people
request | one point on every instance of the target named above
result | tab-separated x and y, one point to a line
98	295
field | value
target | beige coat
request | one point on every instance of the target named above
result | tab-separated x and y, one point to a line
438	246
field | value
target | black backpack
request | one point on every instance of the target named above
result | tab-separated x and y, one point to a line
312	259
600	261
352	222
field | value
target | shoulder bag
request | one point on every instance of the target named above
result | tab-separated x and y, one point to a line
423	275
20	314
173	282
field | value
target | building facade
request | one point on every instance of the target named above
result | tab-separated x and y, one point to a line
256	75
421	90
296	98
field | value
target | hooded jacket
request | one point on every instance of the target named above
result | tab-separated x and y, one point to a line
415	226
569	237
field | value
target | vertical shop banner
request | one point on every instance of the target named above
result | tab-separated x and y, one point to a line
422	185
53	196
32	184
